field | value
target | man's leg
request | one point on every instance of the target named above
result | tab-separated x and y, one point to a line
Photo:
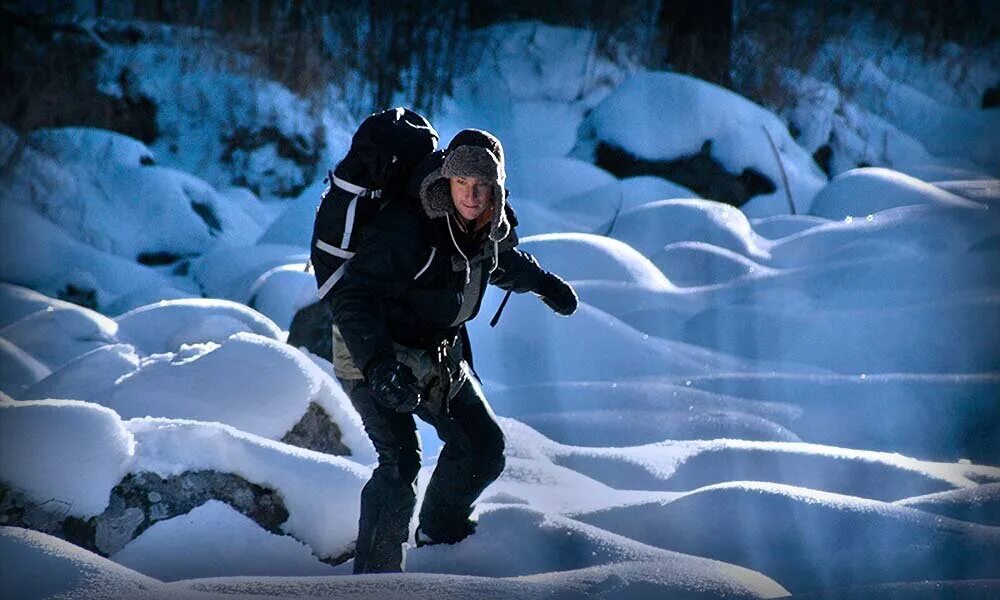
388	498
472	458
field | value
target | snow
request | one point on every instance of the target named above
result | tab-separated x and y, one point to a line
863	192
39	255
167	325
37	565
593	257
18	369
79	330
313	485
809	539
652	226
64	451
980	504
83	196
90	376
665	116
254	383
215	540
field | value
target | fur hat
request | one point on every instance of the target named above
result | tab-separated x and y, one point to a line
471	153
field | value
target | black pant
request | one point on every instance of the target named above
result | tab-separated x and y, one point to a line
471	459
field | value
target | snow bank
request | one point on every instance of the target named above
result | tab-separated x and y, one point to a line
980	504
17	302
88	144
66	452
56	336
685	465
698	263
320	491
230	271
108	203
549	543
166	325
37	565
861	192
576	256
90	377
18	369
809	540
652	226
282	291
39	255
214	540
294	226
665	116
624	413
253	383
532	345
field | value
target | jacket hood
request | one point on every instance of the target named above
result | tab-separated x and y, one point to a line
472	153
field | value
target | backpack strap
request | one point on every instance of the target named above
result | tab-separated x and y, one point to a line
352	188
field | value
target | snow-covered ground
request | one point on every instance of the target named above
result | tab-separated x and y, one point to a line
747	404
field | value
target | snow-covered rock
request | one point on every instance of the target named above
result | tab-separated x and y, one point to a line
64	451
661	117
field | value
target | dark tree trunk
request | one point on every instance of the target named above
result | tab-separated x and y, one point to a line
695	37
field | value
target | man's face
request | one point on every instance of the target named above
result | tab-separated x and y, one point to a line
471	196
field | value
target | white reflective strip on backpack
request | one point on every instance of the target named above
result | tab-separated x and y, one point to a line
347	186
429	261
349	224
331	249
325	289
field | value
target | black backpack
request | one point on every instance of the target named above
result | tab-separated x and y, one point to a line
384	151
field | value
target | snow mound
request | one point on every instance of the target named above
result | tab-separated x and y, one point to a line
37	565
861	192
779	226
698	263
809	540
650	227
533	346
17	302
294	226
980	504
109	204
230	272
665	116
622	413
214	540
83	144
320	491
89	377
685	465
633	580
548	543
56	336
251	382
577	256
280	292
65	452
18	369
166	325
39	255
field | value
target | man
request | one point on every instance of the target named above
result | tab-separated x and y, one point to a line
400	345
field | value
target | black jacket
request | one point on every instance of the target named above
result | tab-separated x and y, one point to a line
409	282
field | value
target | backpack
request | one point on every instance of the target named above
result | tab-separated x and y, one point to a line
384	151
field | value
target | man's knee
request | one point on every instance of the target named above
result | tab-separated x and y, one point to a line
489	457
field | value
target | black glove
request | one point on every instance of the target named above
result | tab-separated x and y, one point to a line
557	294
394	385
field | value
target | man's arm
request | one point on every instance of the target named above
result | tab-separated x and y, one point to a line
382	268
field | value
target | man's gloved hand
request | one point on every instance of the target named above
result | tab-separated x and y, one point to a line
557	294
394	385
